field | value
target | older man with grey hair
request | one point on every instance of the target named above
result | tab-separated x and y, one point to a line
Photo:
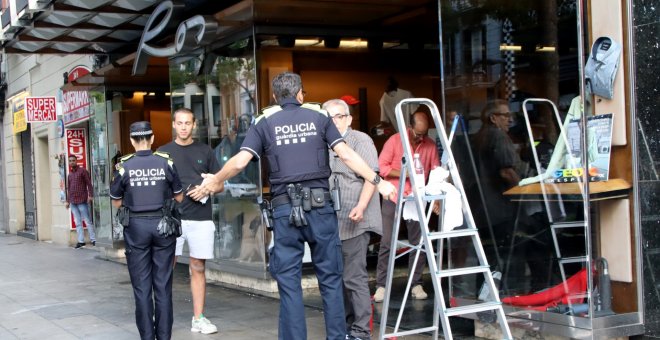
358	219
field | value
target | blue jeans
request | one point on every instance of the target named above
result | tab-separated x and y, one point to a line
81	210
322	235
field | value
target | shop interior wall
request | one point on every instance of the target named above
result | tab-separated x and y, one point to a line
332	74
155	109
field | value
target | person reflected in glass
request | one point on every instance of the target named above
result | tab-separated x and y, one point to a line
500	168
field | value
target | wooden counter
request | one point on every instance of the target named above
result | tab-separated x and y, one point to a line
614	188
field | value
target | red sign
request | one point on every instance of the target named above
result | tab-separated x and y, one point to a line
40	109
77	72
75	106
76	144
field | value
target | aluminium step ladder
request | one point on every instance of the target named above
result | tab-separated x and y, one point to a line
441	312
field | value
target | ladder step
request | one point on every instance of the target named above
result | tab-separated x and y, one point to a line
426	198
463	271
575	259
475	308
454	233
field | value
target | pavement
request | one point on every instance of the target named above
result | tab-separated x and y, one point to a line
49	291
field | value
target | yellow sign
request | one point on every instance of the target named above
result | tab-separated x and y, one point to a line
20	124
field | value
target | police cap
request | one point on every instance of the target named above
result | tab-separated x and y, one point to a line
139	129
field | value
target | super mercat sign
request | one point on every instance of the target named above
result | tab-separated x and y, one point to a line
191	34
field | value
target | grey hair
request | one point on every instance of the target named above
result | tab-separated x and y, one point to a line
286	85
491	107
336	102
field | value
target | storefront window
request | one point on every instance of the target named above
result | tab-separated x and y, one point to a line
100	167
513	77
223	99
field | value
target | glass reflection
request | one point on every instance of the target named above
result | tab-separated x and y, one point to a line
101	170
223	100
497	54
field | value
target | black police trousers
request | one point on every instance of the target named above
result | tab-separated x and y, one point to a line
150	258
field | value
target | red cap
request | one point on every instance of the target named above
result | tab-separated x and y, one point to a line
350	100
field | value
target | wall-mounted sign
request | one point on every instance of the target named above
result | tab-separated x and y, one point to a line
60	128
16	104
191	34
20	124
78	72
75	104
40	109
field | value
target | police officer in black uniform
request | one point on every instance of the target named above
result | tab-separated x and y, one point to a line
294	138
144	181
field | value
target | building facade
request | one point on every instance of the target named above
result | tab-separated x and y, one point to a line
107	67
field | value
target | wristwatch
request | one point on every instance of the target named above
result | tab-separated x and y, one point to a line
376	179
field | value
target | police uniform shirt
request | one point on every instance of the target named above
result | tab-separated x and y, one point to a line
145	180
295	141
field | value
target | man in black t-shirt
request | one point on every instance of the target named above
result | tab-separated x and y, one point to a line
192	159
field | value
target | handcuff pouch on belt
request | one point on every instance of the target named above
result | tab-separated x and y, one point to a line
297	215
170	223
123	215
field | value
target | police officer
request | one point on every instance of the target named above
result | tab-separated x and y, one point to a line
294	138
144	181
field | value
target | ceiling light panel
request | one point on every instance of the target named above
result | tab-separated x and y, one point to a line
65	18
88	34
69	47
125	35
110	19
46	33
135	5
87	4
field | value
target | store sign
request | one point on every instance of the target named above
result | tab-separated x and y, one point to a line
76	144
17	106
40	109
77	72
75	104
20	124
191	34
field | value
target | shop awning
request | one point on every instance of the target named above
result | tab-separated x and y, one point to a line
82	26
114	27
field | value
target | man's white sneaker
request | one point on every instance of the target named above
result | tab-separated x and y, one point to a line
418	293
203	325
379	296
